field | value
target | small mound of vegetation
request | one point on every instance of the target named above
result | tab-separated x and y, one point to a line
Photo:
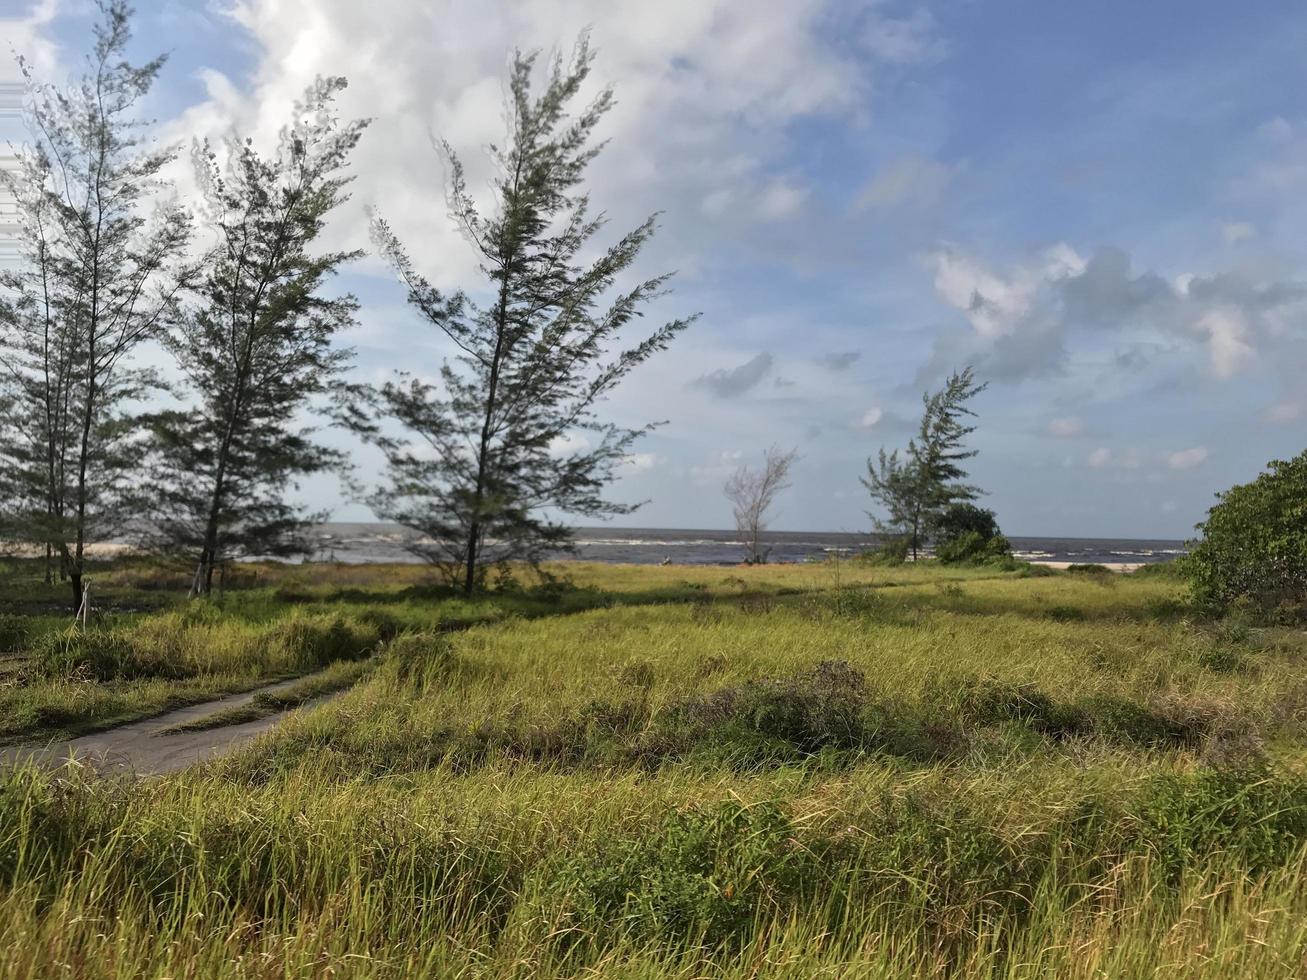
1253	551
13	633
199	640
969	535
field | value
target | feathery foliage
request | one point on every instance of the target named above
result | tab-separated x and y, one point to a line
255	346
95	280
919	487
510	430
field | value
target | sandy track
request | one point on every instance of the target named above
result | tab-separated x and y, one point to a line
138	748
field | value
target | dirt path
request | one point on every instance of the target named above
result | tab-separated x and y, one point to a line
139	749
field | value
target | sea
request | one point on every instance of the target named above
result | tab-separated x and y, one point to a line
363	543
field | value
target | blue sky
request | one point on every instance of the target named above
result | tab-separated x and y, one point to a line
1100	206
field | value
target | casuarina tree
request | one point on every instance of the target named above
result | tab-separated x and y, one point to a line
96	278
255	346
917	488
483	462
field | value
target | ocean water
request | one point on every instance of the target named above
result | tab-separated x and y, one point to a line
360	543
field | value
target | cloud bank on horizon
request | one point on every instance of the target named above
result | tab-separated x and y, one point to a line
1102	209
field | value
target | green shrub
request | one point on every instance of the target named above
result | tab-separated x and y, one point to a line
892	551
102	653
967	534
1253	550
1088	568
1066	614
308	641
1223	660
971	548
1171	570
704	877
1255	815
13	633
816	709
1031	570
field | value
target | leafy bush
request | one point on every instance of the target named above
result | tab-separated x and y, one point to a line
810	711
102	653
1088	568
705	876
970	547
13	633
1259	816
965	518
1031	570
891	551
1171	570
308	641
1253	552
966	533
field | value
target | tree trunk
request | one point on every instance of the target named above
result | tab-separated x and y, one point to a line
75	578
470	569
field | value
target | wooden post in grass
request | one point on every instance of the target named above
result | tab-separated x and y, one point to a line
84	611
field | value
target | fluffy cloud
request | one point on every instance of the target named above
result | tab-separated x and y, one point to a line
1100	457
718	468
839	360
1285	411
1065	428
639	462
568	444
910	181
903	40
27	35
1187	459
706	90
1025	318
997	303
871	417
733	382
1238	231
1228	341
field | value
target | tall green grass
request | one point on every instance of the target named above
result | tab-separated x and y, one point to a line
691	773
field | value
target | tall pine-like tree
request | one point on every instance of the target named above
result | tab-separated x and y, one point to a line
916	489
97	277
255	346
532	360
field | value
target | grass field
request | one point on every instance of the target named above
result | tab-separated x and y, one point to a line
795	771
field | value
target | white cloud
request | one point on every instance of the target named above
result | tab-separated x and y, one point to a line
1285	411
27	36
903	40
780	199
569	443
717	469
639	462
995	303
1066	428
1100	457
870	417
1277	129
908	181
705	90
1238	231
1187	459
1228	346
1025	318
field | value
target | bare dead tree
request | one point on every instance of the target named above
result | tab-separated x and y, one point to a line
751	493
